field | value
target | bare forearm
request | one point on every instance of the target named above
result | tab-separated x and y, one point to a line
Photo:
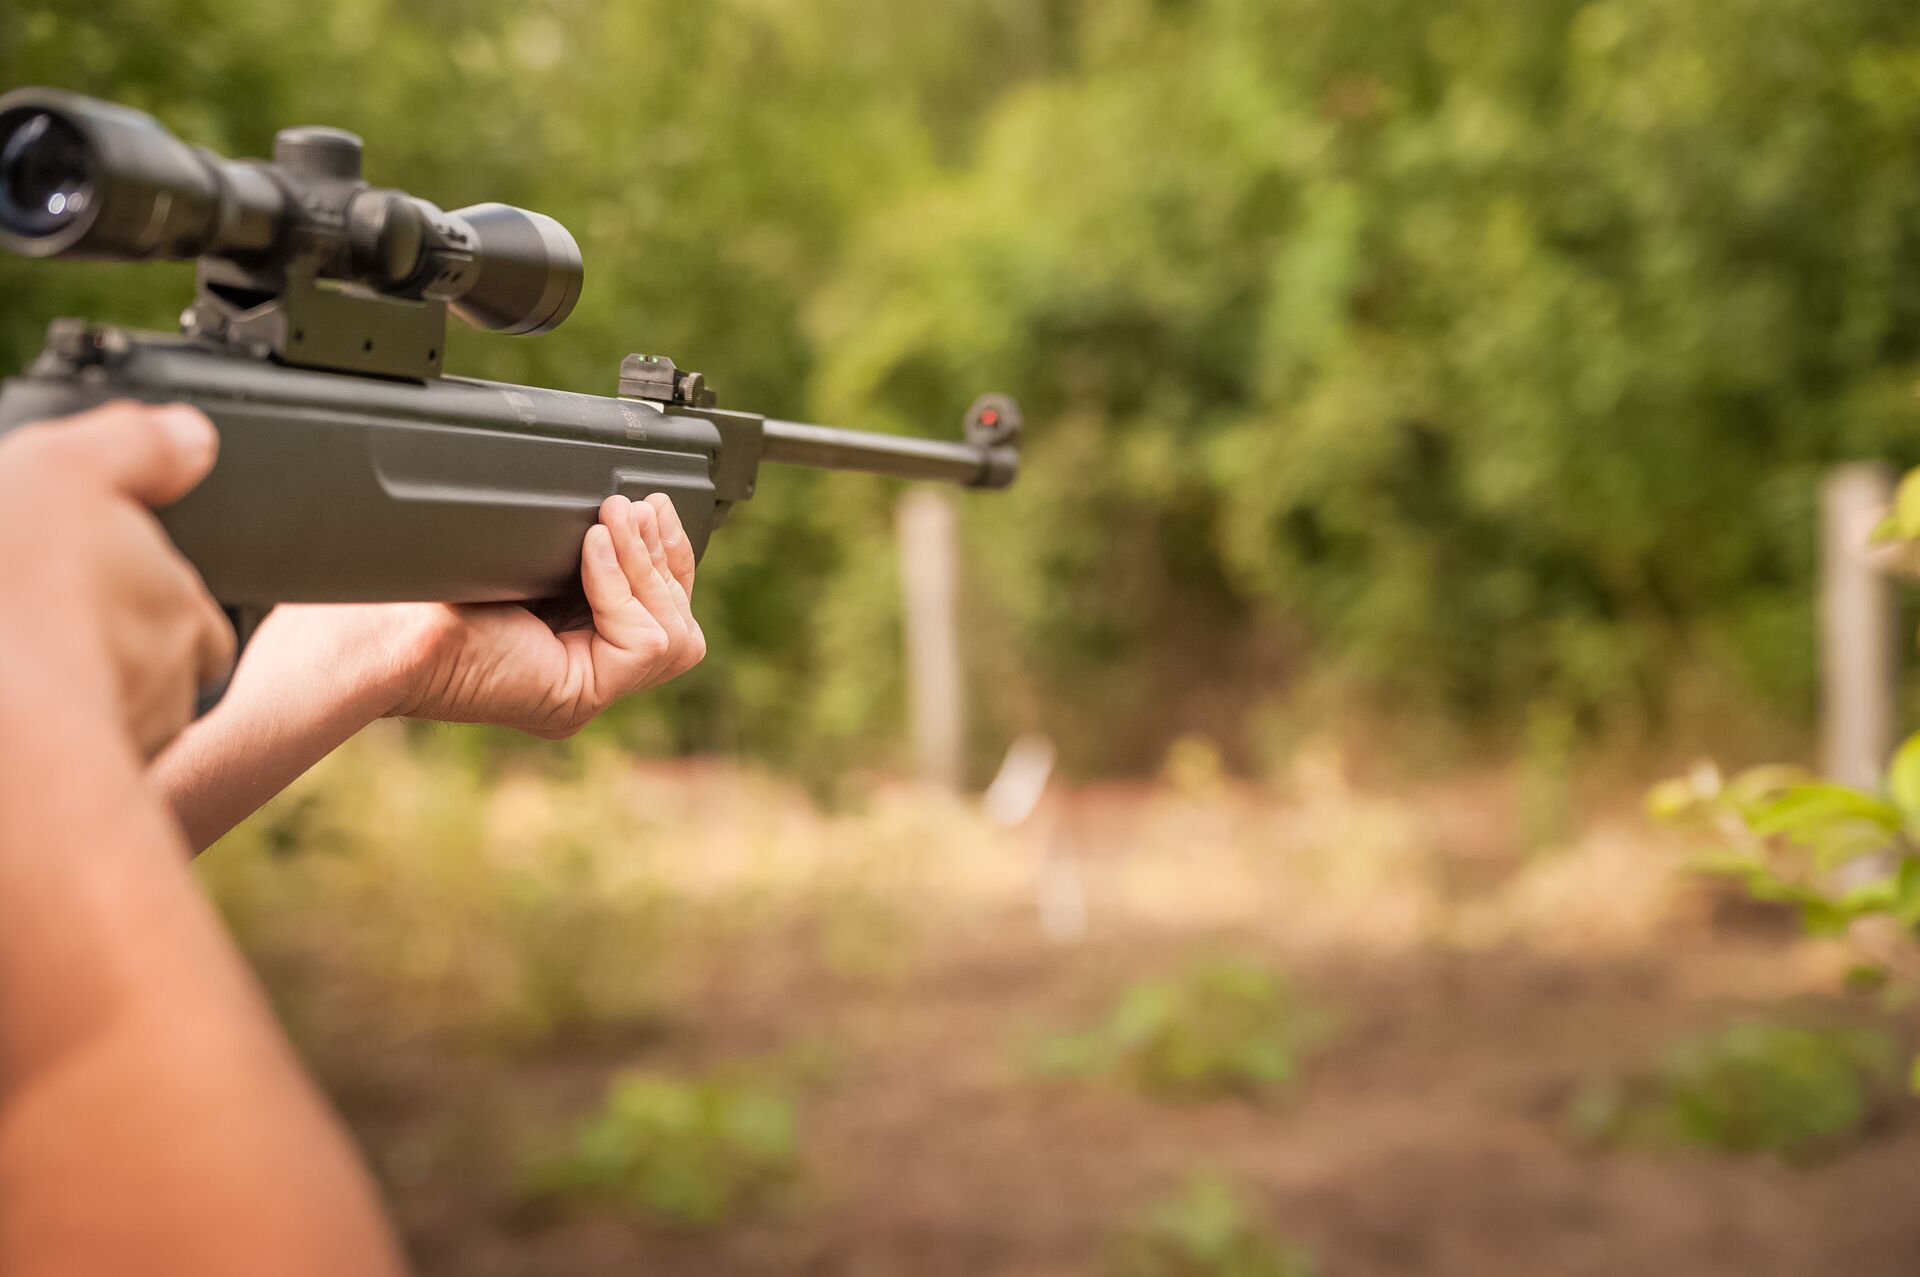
151	1119
299	693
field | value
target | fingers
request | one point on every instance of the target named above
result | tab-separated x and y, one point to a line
637	641
636	538
153	454
169	629
641	612
676	560
660	590
691	647
215	646
673	536
209	645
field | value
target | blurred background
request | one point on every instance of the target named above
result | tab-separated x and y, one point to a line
1428	404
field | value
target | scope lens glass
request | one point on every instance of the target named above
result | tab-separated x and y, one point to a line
46	173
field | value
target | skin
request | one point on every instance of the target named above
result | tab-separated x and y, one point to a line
316	675
152	1117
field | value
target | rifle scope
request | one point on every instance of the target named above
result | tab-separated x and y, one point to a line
80	177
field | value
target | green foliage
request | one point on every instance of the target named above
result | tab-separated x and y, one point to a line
1837	853
1205	1231
1222	1027
687	1154
1502	351
1486	354
1753	1088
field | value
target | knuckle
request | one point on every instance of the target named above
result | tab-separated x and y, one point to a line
111	414
577	717
183	583
114	408
226	644
654	645
141	421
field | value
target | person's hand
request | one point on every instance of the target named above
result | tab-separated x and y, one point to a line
96	605
498	663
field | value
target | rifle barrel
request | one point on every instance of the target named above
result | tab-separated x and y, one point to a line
903	456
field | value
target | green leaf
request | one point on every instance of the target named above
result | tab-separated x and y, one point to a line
1906	906
1903	778
1822	918
1868	897
1672	799
1866	977
1759	783
1726	863
1807	813
1903	521
1840	845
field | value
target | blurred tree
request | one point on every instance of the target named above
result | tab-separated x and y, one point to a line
1483	355
1499	349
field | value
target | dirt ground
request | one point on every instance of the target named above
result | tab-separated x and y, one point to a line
1428	1137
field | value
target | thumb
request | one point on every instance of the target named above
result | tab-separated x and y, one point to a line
154	453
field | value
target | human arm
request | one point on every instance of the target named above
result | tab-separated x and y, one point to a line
152	1118
315	675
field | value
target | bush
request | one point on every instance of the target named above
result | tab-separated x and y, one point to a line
1222	1027
1754	1088
686	1154
1203	1232
1488	353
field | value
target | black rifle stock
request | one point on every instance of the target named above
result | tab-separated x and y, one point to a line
351	468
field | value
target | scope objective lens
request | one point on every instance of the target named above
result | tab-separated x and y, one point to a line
46	173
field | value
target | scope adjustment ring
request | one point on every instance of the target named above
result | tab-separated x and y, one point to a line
314	150
387	236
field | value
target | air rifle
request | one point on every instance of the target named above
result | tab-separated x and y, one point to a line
352	468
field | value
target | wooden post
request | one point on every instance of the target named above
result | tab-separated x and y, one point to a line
1859	656
929	533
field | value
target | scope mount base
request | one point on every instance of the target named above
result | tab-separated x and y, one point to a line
307	323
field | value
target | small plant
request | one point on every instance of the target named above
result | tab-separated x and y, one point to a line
576	955
1794	1092
1837	853
1847	859
1222	1027
687	1154
1204	1231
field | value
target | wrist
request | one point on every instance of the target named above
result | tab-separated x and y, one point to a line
311	678
356	661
